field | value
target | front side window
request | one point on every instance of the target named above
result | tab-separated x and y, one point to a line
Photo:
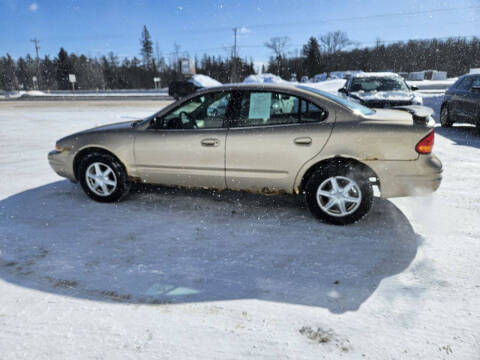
207	111
269	108
465	84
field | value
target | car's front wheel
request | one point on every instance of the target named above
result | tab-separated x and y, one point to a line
445	118
103	177
339	195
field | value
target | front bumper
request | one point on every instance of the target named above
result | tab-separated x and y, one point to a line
61	163
408	178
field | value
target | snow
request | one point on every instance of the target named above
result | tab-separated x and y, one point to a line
204	81
474	71
331	86
18	94
85	93
432	84
178	274
376	74
263	78
344	74
387	95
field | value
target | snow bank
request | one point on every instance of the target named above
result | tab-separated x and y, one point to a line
377	74
263	78
19	94
344	74
204	81
319	77
330	86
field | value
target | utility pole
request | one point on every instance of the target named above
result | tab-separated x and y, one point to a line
233	77
37	48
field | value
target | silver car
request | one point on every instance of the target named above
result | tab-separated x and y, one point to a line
262	138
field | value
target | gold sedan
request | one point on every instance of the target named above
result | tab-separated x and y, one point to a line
262	138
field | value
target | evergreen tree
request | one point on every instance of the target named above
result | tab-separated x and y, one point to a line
312	57
147	48
64	68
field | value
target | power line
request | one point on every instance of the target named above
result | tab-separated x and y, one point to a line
368	17
194	31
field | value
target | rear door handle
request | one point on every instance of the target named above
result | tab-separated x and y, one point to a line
303	140
210	142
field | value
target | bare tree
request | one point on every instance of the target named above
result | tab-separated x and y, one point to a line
334	42
278	45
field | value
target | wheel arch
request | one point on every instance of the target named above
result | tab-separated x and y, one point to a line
89	150
336	161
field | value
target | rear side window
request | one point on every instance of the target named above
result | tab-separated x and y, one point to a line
270	108
311	112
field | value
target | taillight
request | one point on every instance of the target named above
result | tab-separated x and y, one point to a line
425	145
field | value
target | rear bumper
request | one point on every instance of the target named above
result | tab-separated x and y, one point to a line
61	163
408	178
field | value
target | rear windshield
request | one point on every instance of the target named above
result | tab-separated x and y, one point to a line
353	106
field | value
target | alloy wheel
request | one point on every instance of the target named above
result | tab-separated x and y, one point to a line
101	179
339	196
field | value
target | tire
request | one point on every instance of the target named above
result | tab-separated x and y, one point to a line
320	193
445	119
103	177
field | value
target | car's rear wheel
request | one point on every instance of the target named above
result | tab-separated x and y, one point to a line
445	119
339	195
103	177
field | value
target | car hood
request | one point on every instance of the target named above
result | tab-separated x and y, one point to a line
383	95
110	127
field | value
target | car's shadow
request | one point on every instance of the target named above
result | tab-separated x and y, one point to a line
173	246
461	134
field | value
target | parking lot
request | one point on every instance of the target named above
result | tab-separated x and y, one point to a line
164	272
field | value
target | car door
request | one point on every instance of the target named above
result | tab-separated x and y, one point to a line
460	99
472	100
273	135
186	146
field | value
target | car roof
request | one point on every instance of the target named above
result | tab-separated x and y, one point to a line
254	86
292	88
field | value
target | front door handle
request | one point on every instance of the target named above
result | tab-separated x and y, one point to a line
303	140
210	142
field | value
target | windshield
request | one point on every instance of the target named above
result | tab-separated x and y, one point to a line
368	84
351	105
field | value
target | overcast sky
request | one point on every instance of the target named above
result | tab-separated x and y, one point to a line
98	27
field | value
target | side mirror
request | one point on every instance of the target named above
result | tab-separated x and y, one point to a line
342	90
414	88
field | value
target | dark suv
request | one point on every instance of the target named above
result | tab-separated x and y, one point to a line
182	88
462	102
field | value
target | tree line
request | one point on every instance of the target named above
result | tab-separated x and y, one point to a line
336	52
110	72
333	51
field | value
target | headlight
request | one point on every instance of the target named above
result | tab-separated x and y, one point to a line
62	148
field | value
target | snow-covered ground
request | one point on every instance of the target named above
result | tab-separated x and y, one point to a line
177	274
84	93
